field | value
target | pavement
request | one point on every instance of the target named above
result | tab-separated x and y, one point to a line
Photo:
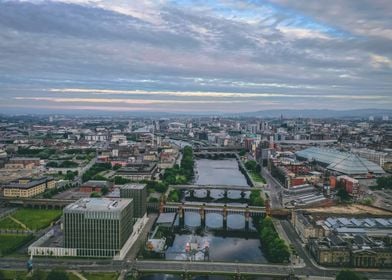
132	253
308	272
273	188
80	276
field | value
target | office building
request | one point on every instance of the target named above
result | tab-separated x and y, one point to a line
138	192
98	227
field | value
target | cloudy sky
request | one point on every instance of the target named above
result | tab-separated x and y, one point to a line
194	56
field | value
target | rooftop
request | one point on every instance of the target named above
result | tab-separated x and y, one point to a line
30	184
98	205
346	163
133	186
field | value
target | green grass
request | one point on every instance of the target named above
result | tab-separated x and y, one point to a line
256	177
36	219
13	274
101	275
22	275
7	223
11	242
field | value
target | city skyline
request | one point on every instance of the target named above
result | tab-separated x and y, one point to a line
194	56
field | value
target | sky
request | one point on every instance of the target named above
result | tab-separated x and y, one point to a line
202	56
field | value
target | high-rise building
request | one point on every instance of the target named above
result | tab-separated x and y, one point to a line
98	227
138	192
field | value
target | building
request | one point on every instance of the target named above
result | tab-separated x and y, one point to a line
306	226
351	251
26	161
330	251
351	185
28	187
138	172
98	227
95	186
380	228
341	163
371	155
138	192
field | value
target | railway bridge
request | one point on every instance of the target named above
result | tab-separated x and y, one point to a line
37	202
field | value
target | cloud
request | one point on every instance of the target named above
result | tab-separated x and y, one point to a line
285	52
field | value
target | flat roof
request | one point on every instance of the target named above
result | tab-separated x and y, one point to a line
98	204
133	186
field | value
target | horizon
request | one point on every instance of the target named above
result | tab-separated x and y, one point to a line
194	56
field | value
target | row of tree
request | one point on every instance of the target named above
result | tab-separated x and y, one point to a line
275	249
95	169
255	198
64	164
178	175
51	192
384	182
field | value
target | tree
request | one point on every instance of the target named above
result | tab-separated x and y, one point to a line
105	190
69	176
343	194
174	196
255	198
95	194
57	274
117	166
251	165
118	180
52	164
384	182
349	275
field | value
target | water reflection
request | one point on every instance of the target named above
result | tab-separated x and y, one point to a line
192	219
220	249
235	221
217	194
160	277
214	221
233	194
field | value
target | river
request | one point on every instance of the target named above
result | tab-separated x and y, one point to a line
223	172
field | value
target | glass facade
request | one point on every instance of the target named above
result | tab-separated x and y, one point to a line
139	195
98	233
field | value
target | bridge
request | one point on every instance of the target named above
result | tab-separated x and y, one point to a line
214	208
187	268
210	154
225	212
212	187
217	149
37	202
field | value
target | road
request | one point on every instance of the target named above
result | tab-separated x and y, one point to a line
274	189
78	178
181	266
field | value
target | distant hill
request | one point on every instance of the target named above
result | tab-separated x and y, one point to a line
323	113
276	113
